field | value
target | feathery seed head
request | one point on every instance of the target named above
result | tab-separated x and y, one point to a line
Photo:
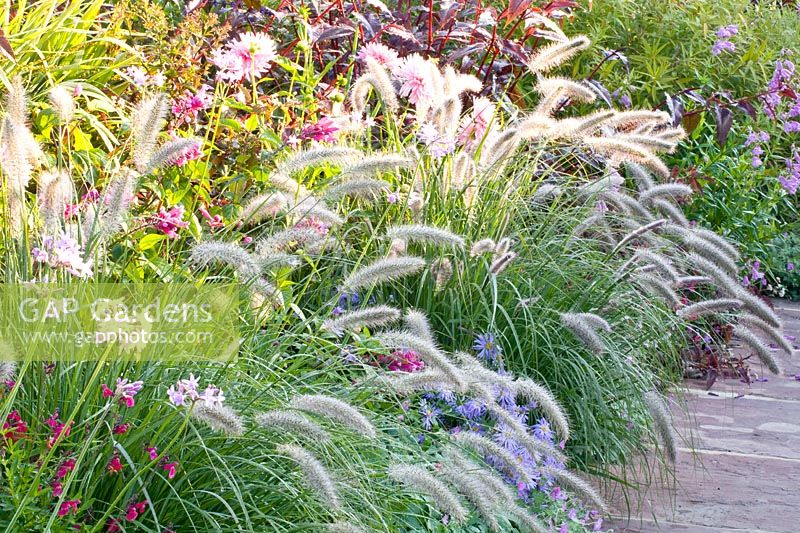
336	409
317	476
375	316
292	422
418	479
383	270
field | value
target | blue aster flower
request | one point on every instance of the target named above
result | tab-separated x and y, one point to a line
487	347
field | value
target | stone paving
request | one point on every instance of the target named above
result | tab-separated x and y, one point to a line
744	475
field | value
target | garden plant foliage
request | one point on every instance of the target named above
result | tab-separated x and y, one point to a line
461	304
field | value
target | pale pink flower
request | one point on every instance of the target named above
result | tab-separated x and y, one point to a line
137	75
473	126
414	74
381	54
248	56
187	107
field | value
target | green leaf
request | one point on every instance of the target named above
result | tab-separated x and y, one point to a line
150	240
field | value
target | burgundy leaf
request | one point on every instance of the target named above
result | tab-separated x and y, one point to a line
724	120
5	46
696	97
399	31
514	50
748	108
333	32
601	91
515	9
464	51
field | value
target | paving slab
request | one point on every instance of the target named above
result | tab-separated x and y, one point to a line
739	467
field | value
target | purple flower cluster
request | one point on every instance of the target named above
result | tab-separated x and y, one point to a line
755	276
723	44
755	139
63	252
791	181
779	84
185	392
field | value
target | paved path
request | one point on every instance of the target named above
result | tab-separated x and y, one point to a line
745	473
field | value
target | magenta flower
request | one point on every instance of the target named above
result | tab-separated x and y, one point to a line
187	107
170	221
323	131
152	452
65	468
134	510
69	506
124	391
381	54
58	488
416	78
192	153
171	469
247	57
215	221
114	464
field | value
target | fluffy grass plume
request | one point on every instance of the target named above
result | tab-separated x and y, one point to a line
641	230
359	93
63	103
292	422
317	476
547	403
425	234
730	286
375	316
501	263
685	281
335	409
712	252
477	493
484	446
524	518
369	166
220	418
657	286
661	263
640	176
481	247
427	350
551	56
344	527
262	207
584	331
419	480
205	253
662	423
383	270
774	334
667	208
761	350
146	123
568	88
627	204
369	189
671	191
593	188
332	155
579	486
441	271
416	321
169	152
408	383
709	307
55	189
114	204
719	241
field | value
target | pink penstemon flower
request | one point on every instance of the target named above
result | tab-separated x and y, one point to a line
170	221
124	391
213	221
68	506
